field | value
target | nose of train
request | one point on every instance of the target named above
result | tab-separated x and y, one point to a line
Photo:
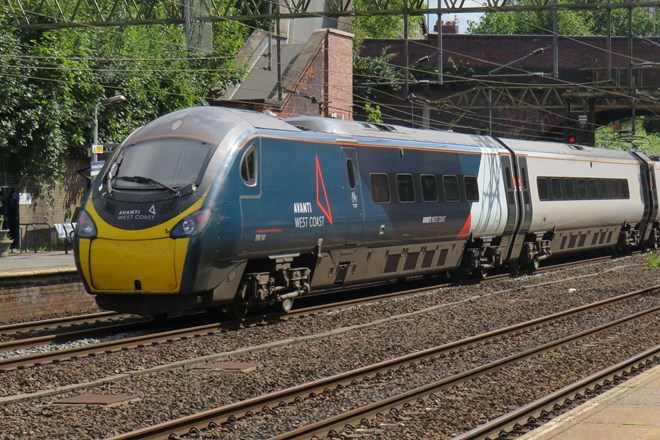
130	261
139	265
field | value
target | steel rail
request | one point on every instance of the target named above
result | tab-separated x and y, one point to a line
105	347
54	321
178	334
223	414
339	422
39	341
520	417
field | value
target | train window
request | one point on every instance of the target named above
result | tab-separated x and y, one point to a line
612	188
509	179
351	173
581	189
172	162
604	188
450	184
542	183
569	189
592	189
471	188
555	185
429	187
405	187
625	192
380	189
249	166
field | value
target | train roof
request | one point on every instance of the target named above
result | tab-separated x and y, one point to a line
389	131
212	124
524	146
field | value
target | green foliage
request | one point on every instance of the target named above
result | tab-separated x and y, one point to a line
620	137
50	82
570	22
373	113
653	260
368	72
383	26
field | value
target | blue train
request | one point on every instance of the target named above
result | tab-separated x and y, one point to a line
215	207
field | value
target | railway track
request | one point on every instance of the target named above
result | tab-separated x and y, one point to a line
186	328
534	414
54	323
212	418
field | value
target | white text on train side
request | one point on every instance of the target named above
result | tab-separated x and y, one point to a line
309	222
302	208
134	214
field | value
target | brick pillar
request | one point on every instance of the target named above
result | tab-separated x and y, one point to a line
338	88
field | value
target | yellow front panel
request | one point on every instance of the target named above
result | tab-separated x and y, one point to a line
117	264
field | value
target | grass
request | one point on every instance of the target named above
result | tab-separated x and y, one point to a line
653	260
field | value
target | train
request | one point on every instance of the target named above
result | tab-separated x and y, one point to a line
219	208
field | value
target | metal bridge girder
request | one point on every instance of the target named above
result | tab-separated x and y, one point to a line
481	98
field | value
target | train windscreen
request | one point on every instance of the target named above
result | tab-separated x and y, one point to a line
169	163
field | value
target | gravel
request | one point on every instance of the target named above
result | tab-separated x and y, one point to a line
310	348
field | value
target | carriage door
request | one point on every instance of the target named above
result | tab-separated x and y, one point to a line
524	202
649	196
354	191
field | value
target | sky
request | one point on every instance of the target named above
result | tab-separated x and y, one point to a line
462	18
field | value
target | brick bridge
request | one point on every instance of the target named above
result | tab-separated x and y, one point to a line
505	85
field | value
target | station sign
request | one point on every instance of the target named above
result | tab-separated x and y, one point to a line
96	167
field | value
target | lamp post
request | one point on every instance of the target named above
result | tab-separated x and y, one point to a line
108	101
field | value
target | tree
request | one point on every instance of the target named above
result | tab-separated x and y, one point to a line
50	82
570	22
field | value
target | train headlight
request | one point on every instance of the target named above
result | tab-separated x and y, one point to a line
86	227
193	224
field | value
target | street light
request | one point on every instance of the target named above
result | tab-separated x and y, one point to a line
108	101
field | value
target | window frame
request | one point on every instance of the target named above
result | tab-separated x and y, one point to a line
386	188
543	188
444	188
409	179
250	180
435	186
350	170
471	197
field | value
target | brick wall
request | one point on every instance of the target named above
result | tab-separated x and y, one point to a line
37	297
326	85
60	206
310	89
339	74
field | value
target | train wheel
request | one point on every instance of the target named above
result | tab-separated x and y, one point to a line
237	310
286	305
534	265
239	307
480	274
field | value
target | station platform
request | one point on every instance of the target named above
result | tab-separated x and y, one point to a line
30	263
631	411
